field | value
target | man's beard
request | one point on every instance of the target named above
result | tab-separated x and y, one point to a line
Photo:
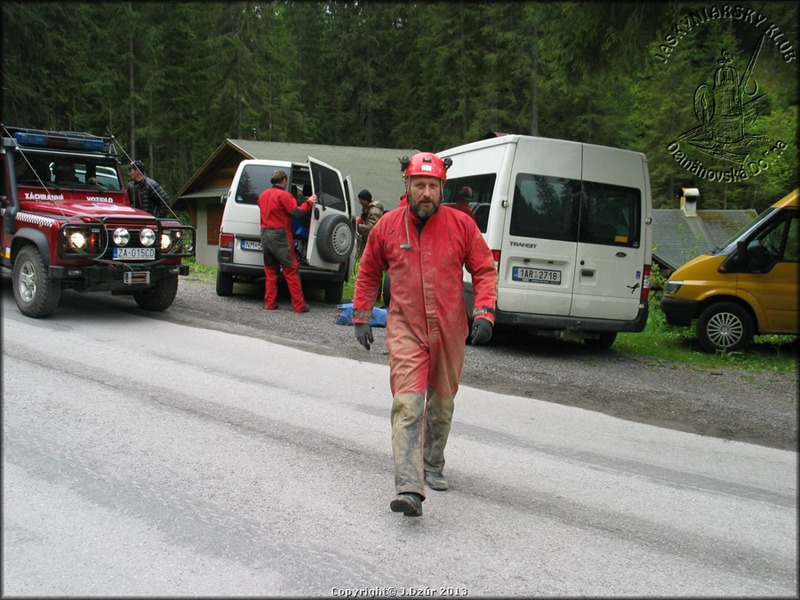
423	214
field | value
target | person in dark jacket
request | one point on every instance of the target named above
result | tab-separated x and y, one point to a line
371	211
145	192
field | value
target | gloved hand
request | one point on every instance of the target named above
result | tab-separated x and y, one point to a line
364	334
481	331
359	220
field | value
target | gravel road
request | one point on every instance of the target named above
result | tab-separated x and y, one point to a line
759	408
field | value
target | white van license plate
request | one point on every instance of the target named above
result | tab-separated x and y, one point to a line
134	253
536	275
251	245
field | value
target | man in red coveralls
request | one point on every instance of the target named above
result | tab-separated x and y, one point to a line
277	207
425	247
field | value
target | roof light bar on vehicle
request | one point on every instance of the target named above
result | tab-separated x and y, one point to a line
51	140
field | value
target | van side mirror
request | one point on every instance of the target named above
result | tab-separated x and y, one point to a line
741	252
223	198
737	261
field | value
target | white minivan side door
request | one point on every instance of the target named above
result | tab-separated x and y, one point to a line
331	237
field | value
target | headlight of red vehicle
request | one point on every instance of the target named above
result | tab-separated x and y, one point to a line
177	241
81	240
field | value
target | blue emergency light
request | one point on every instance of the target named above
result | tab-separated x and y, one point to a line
50	140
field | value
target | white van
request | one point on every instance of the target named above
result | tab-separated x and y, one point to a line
325	247
569	225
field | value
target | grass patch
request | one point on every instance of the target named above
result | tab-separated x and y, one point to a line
777	353
201	272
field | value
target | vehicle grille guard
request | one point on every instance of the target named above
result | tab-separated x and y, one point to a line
182	237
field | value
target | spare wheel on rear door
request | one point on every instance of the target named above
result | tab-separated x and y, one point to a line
335	238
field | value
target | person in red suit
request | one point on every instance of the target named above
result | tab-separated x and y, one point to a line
425	250
277	207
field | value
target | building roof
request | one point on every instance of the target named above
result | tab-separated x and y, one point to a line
677	238
376	169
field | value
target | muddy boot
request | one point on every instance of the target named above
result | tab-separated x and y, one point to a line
436	481
409	504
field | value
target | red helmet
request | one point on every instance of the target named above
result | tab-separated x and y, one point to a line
428	164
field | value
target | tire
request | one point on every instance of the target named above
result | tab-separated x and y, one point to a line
335	238
334	292
160	296
724	326
224	284
36	293
604	342
387	289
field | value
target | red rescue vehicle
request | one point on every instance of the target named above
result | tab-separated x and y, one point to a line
67	223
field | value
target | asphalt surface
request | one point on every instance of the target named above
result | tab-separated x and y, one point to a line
144	458
741	405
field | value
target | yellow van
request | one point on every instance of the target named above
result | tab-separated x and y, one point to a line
747	287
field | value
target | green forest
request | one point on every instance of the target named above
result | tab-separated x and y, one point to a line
708	91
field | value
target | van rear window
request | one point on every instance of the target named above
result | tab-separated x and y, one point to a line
254	180
610	215
557	208
545	207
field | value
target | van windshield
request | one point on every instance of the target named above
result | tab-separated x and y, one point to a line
730	244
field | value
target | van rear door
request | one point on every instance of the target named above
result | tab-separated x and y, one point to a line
537	259
331	239
611	246
241	215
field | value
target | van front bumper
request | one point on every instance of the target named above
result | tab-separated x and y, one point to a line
679	312
114	273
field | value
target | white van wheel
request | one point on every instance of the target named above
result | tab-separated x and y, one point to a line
605	340
724	326
335	238
386	289
334	292
224	284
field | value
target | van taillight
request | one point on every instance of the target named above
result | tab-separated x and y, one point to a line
226	240
496	258
646	284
